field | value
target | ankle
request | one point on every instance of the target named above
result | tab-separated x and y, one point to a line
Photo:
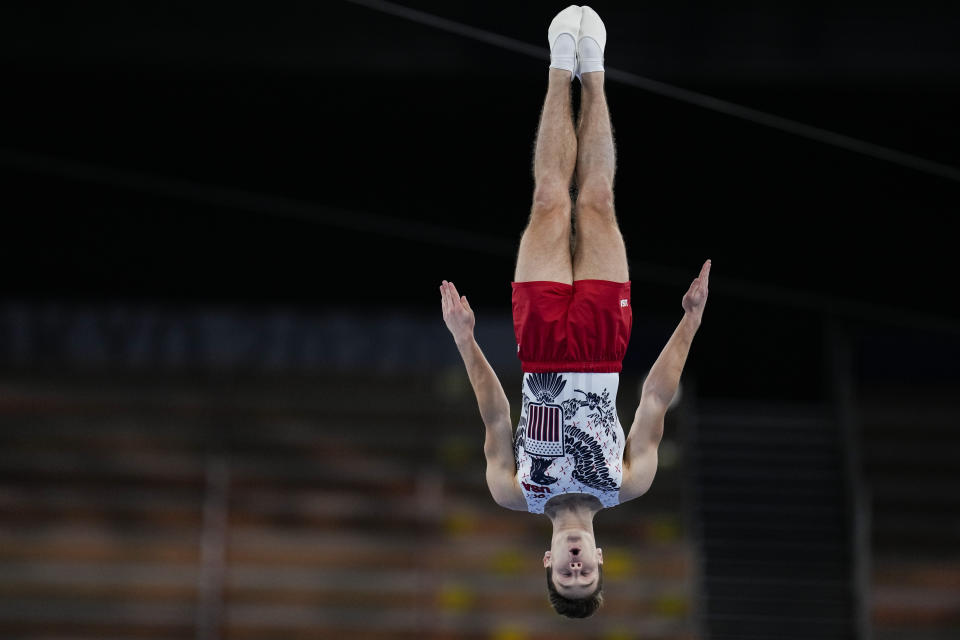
592	81
559	78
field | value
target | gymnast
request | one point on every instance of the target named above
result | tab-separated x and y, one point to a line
572	318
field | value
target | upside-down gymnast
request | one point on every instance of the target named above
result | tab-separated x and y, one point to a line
572	318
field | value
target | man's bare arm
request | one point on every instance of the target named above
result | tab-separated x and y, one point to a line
491	400
640	453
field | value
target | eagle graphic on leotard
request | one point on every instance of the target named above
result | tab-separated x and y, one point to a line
590	466
589	463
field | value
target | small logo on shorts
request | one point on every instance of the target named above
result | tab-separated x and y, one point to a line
623	302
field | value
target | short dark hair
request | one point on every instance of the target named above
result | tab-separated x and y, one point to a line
575	607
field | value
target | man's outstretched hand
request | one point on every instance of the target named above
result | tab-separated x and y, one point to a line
695	299
457	313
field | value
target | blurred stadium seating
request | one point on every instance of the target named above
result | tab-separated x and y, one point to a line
146	505
911	447
184	492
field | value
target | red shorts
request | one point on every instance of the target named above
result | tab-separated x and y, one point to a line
565	328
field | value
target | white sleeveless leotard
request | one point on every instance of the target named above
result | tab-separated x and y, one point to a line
569	438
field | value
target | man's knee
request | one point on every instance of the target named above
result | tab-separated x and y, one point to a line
595	200
551	201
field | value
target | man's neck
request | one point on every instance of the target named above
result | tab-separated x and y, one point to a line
572	512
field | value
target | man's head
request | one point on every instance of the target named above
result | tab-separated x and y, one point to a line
574	567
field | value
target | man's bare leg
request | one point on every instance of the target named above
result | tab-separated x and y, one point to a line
545	245
600	252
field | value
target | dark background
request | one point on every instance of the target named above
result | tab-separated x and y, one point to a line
228	403
321	155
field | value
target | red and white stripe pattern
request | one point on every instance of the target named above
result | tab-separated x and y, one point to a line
544	423
544	434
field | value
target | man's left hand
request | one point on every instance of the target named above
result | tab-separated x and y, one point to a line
696	297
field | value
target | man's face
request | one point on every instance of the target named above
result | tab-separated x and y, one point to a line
576	561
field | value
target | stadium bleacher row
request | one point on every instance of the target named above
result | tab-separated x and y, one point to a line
911	443
137	505
293	508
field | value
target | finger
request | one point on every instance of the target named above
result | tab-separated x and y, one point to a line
455	297
445	297
452	298
451	302
445	292
463	301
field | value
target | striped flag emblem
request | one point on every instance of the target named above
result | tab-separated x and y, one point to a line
544	436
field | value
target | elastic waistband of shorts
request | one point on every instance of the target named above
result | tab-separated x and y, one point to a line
542	283
599	366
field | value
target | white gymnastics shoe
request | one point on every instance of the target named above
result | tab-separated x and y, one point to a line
590	43
562	35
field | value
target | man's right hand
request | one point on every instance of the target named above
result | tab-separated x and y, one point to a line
457	313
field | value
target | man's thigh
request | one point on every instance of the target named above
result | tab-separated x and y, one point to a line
545	247
600	252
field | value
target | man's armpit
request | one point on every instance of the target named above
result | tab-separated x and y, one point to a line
504	488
